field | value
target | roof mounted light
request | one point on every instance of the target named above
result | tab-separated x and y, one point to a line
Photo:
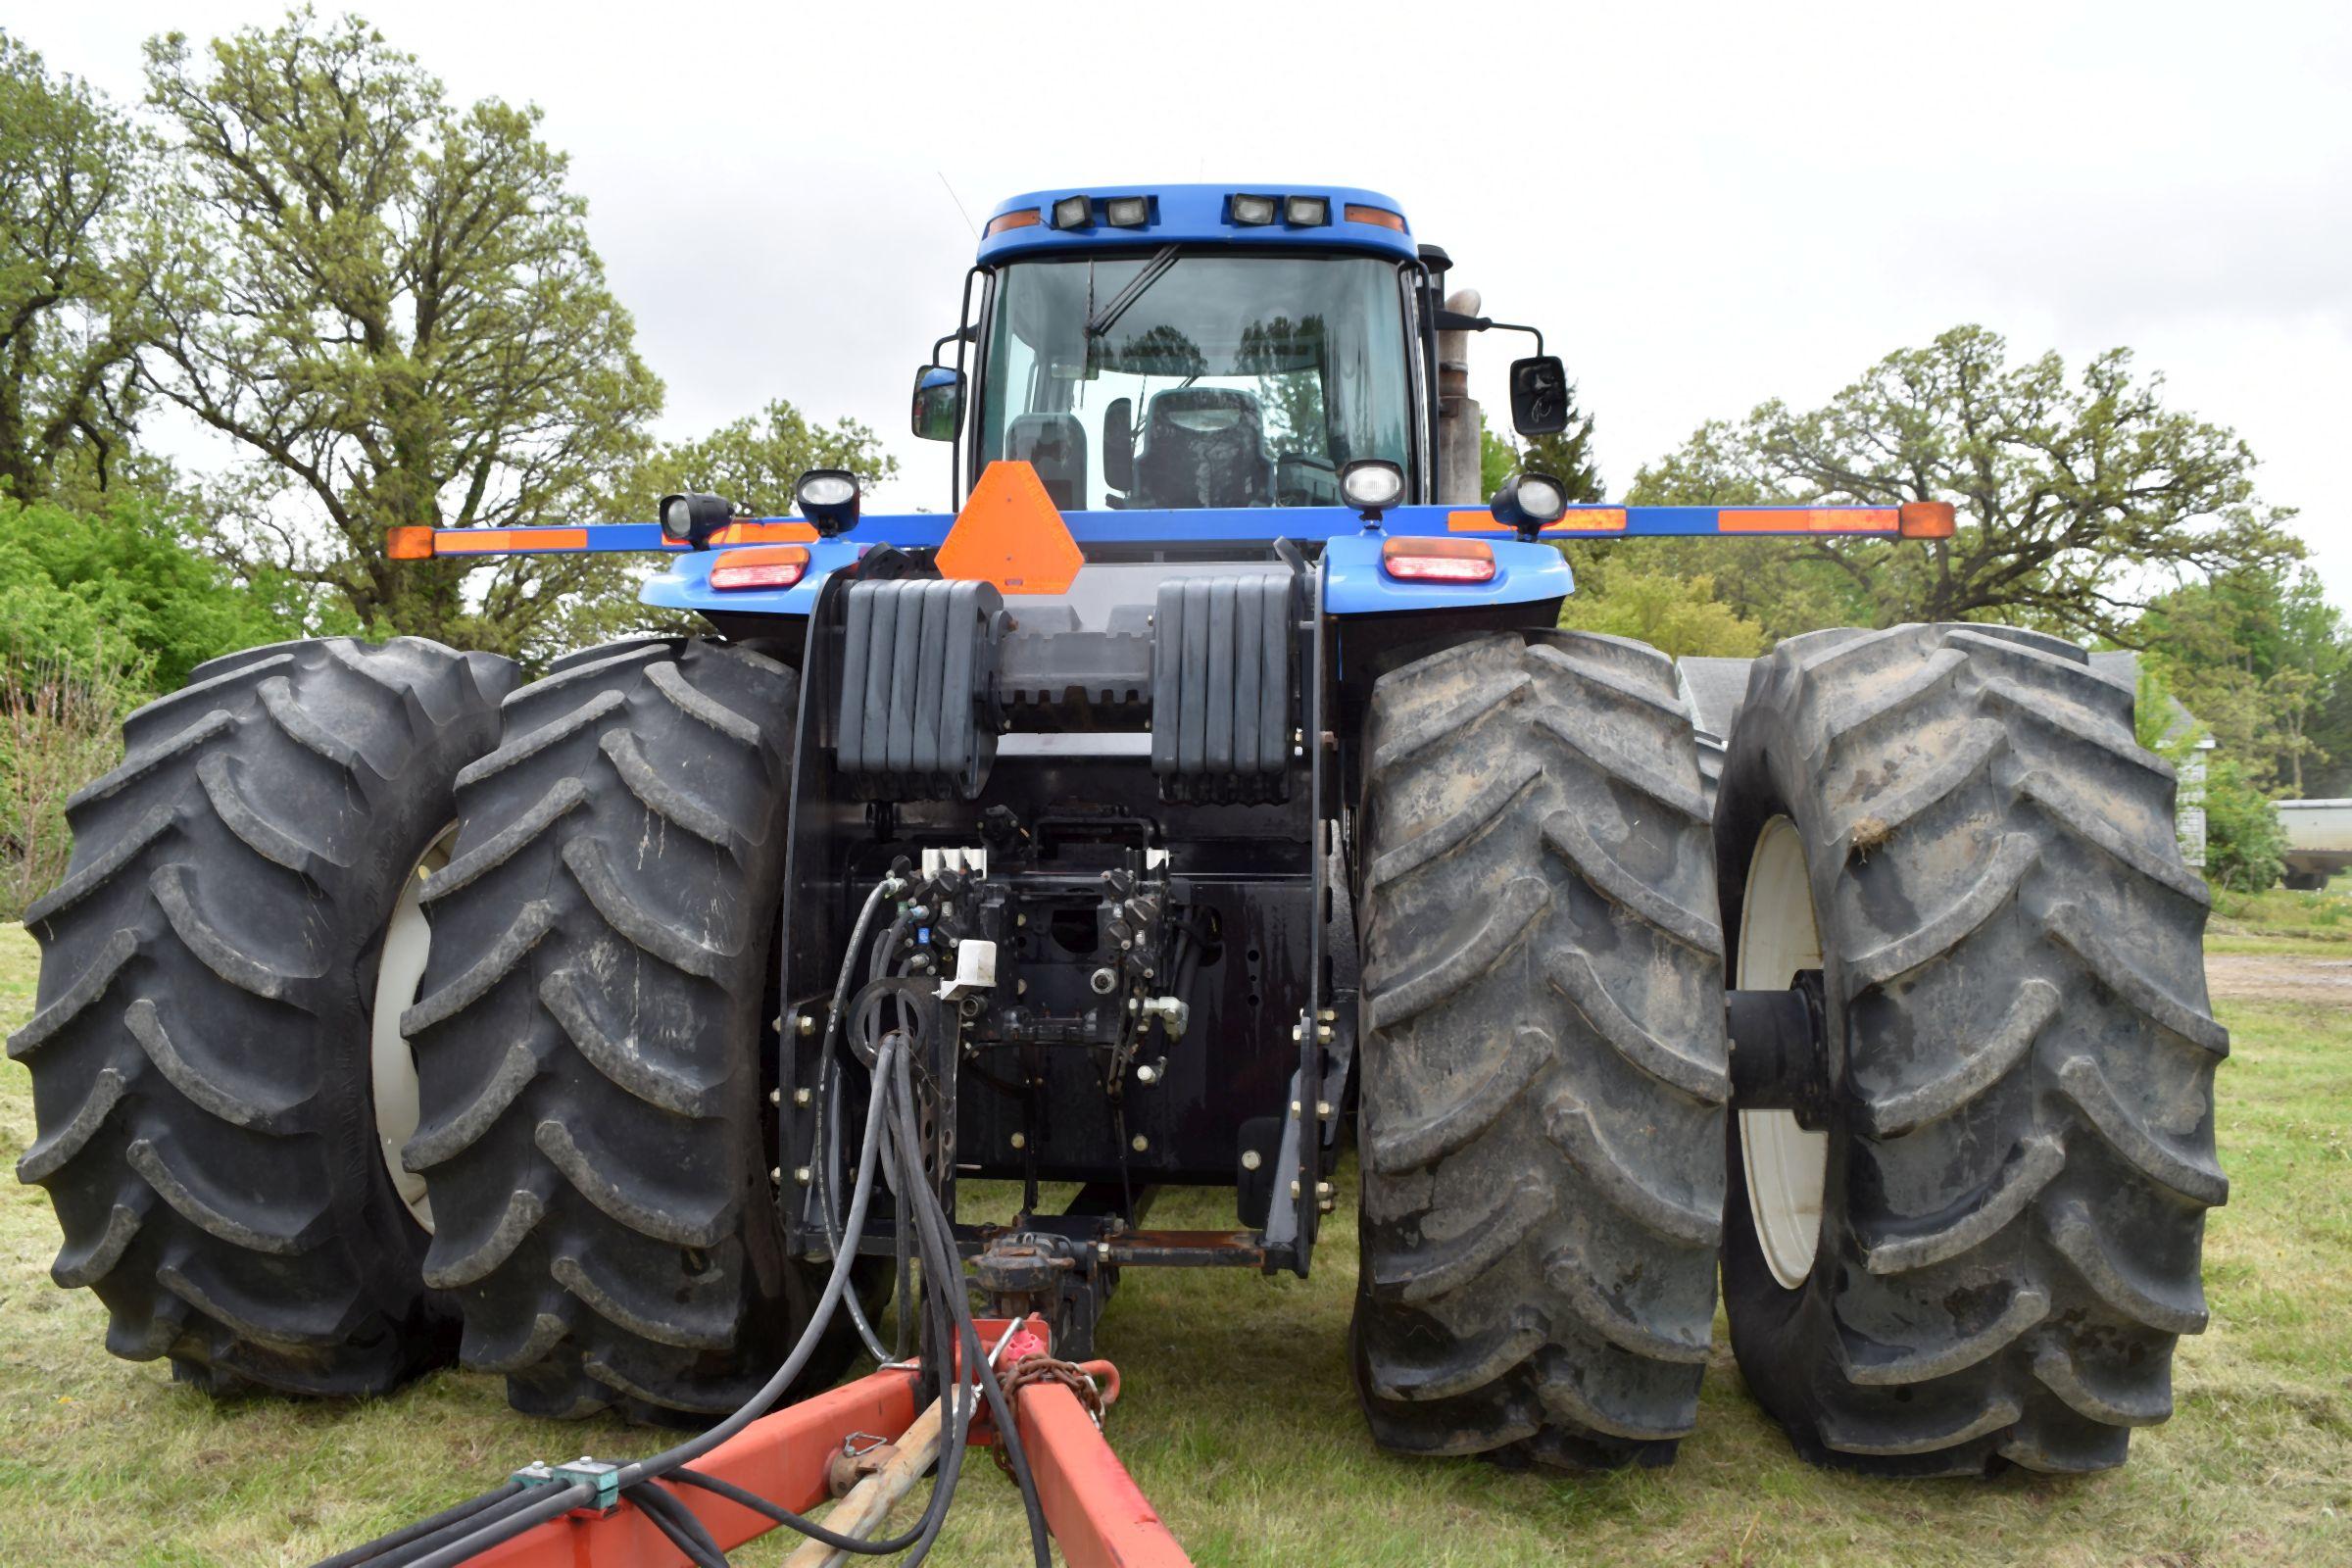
1372	485
1306	211
1252	212
1018	218
828	498
1073	212
693	519
1439	561
1529	503
1128	212
1357	213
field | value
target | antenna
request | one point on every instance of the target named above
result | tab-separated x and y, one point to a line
958	201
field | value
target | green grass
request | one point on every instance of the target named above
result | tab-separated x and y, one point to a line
1239	1424
2324	916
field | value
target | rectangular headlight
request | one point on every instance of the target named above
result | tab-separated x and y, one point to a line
1306	211
1252	211
1127	211
1072	211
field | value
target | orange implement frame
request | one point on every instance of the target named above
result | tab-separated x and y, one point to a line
1093	1507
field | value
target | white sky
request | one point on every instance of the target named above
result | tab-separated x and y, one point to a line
1702	206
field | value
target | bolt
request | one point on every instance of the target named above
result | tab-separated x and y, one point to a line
1019	1142
807	1026
800	1097
1147	1074
1294	1191
775	1097
1251	1159
1323	1109
1322	1189
1323	1034
1021	988
1330	1016
1298	1032
775	1173
1139	1143
1020	919
1102	1250
775	1025
801	1175
1293	1108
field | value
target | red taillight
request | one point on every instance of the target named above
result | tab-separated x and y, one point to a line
760	566
1438	560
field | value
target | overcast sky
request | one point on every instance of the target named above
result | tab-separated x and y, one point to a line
1702	206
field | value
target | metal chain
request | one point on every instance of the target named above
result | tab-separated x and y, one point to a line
1031	1369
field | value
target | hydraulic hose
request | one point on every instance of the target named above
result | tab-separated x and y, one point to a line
406	1535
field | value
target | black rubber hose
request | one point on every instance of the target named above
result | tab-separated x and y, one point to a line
406	1534
931	1217
677	1521
456	1529
539	1504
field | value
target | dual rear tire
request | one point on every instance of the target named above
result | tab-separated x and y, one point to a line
1986	1256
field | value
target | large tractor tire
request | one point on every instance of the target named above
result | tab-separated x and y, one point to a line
202	1053
590	1040
1987	1251
1543	1059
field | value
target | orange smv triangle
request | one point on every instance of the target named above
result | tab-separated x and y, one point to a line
1010	533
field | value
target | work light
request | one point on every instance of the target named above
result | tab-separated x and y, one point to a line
693	519
828	498
1372	485
1306	211
1528	502
1072	211
1252	211
1127	211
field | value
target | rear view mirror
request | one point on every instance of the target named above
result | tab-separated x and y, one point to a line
1118	445
1539	395
939	403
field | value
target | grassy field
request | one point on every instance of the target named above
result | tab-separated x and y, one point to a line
1241	1426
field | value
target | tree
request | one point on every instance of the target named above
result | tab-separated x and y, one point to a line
2257	654
2074	496
1674	615
2245	847
75	257
753	462
1567	457
392	304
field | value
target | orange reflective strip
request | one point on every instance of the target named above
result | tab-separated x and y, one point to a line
1010	533
764	533
1357	213
1928	519
490	541
1576	519
1805	519
410	542
1020	217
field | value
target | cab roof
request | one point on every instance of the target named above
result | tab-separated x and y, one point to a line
1196	214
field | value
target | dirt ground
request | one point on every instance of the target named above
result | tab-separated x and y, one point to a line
2278	977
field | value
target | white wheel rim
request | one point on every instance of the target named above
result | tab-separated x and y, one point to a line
1783	1163
399	970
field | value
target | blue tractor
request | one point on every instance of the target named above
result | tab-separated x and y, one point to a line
1207	791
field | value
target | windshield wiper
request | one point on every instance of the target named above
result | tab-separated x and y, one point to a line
1104	319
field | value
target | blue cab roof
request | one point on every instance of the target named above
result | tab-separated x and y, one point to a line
1193	215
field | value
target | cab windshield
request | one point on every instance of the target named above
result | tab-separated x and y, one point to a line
1189	380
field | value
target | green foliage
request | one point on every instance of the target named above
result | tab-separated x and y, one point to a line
2259	656
753	462
2246	846
390	301
75	255
1677	615
121	592
1567	457
2073	494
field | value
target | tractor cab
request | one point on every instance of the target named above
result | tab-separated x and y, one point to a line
1204	348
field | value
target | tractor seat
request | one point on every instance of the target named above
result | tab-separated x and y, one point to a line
1203	446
